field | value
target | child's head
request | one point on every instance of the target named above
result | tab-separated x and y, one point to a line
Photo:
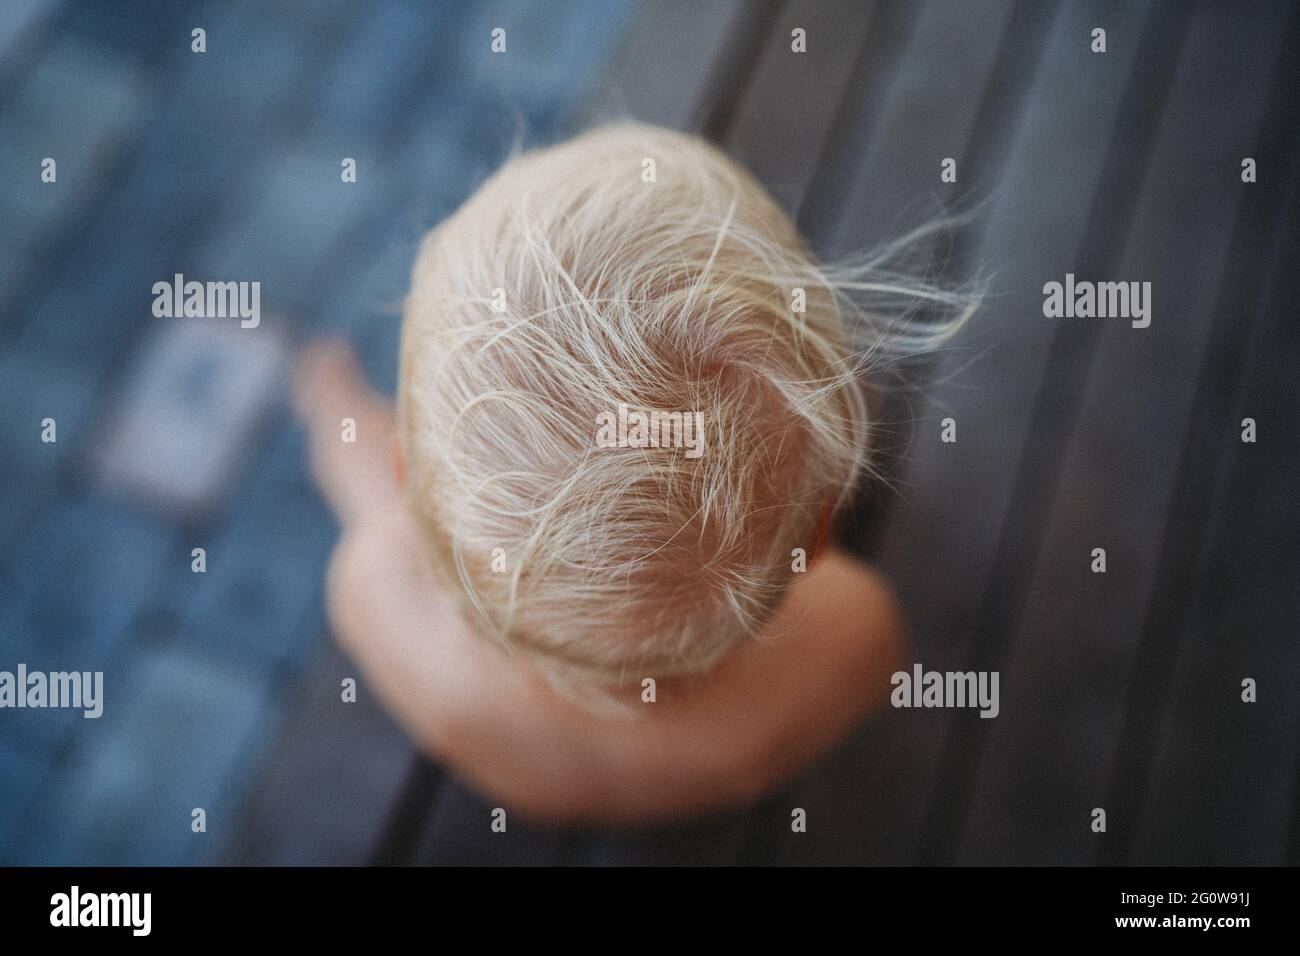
632	267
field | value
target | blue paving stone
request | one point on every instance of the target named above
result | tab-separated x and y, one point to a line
380	353
447	157
73	585
377	297
391	47
555	51
22	776
301	213
88	306
193	401
142	27
78	105
29	207
15	270
312	16
265	567
256	60
31	390
80	573
196	136
178	732
22	25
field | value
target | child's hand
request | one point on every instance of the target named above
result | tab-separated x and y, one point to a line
357	478
387	614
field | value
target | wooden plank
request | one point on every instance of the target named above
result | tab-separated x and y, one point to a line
915	101
1048	757
941	541
920	83
459	833
1120	136
327	787
711	841
1220	772
673	66
787	112
935	82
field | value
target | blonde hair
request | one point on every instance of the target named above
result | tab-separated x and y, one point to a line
575	281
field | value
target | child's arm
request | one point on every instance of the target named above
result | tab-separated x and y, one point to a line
767	712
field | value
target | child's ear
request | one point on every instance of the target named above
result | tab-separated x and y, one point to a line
825	528
399	462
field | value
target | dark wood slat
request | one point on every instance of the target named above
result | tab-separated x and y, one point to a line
953	87
915	101
920	84
1121	135
459	833
673	68
1221	771
409	815
787	113
1048	757
328	783
941	541
714	841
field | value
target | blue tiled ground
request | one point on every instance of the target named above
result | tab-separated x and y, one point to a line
223	165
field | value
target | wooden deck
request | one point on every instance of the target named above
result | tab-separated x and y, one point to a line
1119	690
